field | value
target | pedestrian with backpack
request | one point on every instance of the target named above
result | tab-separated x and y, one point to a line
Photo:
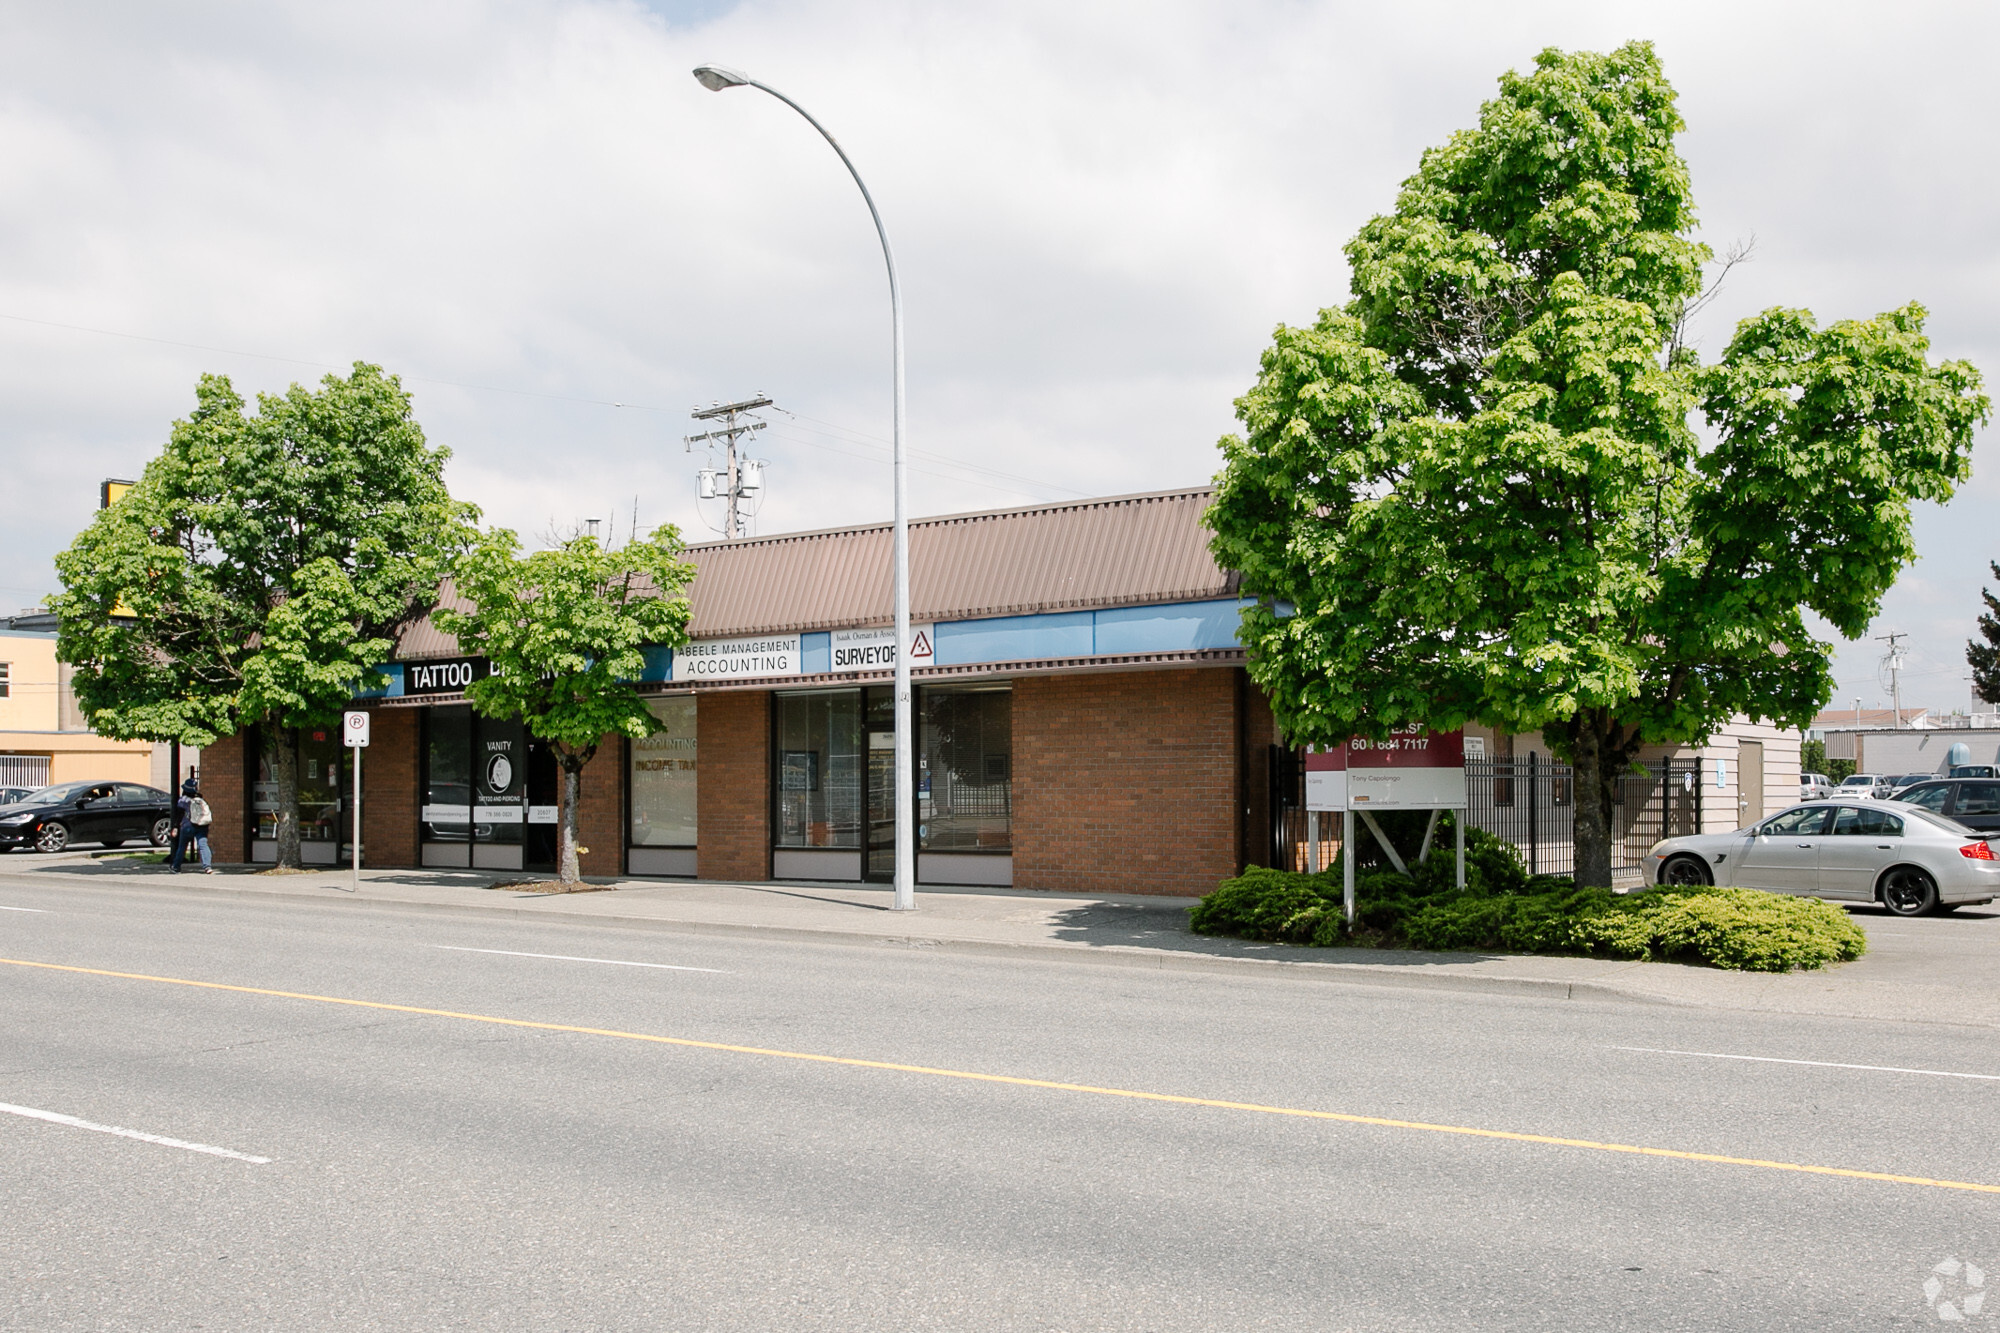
195	830
178	853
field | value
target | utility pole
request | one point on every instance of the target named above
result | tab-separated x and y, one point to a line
744	477
1895	665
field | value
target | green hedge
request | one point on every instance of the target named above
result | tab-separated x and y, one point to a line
1503	908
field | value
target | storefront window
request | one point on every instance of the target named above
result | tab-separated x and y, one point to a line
475	785
663	777
965	769
447	804
819	769
319	786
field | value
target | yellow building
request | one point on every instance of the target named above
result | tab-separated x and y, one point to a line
43	735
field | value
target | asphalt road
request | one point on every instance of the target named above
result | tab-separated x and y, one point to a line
441	1170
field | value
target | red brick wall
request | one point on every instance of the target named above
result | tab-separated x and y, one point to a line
226	788
1125	782
601	820
733	739
389	795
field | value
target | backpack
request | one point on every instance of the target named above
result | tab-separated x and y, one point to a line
199	813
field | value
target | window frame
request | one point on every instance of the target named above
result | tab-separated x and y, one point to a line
634	755
920	715
1827	814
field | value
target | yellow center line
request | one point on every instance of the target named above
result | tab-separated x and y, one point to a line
1013	1080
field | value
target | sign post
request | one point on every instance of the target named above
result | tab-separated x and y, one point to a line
354	734
1411	769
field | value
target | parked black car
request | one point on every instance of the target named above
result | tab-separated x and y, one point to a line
1973	804
111	813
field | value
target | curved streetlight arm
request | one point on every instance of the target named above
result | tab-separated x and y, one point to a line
716	78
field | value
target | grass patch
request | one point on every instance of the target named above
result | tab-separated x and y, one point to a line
1505	909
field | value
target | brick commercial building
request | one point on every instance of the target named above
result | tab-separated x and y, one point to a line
1083	723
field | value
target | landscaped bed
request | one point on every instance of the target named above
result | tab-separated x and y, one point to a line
1503	908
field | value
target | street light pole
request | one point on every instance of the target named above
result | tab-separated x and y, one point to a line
715	78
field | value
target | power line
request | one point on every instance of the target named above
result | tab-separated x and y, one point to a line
327	365
744	478
876	441
1893	662
856	436
794	438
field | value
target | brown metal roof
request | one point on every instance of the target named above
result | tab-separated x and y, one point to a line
422	638
1123	550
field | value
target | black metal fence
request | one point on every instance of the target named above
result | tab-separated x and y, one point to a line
1530	802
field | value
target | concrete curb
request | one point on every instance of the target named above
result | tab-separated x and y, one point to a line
1122	956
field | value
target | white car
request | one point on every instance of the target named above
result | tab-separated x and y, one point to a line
1908	859
1863	786
1815	786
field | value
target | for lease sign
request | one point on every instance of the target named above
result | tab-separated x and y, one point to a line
1411	769
721	659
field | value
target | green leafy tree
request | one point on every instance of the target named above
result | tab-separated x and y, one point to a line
1474	493
259	569
563	629
1812	756
1985	657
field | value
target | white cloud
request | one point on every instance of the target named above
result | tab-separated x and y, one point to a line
1099	211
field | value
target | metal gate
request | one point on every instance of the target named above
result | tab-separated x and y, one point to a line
1532	803
1290	833
24	770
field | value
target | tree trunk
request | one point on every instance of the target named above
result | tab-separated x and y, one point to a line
567	867
285	771
1599	750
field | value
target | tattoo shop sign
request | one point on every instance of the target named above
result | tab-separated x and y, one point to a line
449	676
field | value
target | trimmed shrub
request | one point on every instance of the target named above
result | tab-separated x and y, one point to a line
1738	929
1262	904
1742	929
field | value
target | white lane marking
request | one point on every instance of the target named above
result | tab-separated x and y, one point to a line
56	1118
1821	1064
43	910
566	958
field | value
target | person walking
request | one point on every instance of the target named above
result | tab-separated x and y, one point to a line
181	802
199	817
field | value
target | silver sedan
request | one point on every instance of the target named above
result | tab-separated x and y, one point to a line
1906	858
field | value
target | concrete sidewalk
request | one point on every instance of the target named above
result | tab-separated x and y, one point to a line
1936	970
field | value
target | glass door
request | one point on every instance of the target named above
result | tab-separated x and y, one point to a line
538	848
879	711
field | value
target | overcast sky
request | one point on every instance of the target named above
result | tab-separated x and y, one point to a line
531	212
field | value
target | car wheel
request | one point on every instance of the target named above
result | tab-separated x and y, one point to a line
53	837
114	842
163	832
1684	871
1907	891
